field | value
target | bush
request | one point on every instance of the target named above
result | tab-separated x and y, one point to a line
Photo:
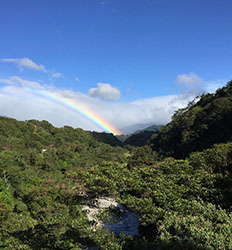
207	227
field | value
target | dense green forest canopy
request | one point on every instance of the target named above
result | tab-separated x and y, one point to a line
198	126
180	183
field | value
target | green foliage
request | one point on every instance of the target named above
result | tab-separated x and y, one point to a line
39	178
217	161
107	138
142	156
6	198
139	139
206	227
214	160
182	204
169	185
107	179
198	126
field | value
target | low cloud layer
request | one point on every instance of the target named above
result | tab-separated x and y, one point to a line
20	99
24	100
105	91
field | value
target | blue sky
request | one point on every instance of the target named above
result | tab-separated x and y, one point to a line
137	59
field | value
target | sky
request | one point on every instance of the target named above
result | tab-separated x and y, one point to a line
106	64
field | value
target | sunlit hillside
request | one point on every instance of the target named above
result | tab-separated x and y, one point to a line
66	188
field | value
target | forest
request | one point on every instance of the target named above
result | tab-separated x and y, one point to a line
177	180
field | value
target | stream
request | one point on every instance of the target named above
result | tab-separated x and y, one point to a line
127	222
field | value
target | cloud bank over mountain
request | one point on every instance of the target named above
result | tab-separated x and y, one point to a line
23	99
20	99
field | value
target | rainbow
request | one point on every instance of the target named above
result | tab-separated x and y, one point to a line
81	109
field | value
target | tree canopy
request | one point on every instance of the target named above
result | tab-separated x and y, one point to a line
179	183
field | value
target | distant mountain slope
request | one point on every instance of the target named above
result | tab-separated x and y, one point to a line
135	127
139	139
32	137
198	126
107	138
152	128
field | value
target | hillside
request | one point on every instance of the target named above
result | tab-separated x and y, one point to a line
134	128
33	137
198	126
107	138
140	137
48	176
152	128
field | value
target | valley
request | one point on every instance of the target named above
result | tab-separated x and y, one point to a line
174	180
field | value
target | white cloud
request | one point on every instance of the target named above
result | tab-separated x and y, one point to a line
57	75
17	81
105	91
25	63
190	80
24	100
213	86
77	79
193	84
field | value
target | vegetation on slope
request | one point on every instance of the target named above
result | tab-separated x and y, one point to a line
198	126
182	203
139	139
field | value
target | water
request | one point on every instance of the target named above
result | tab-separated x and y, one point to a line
128	223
